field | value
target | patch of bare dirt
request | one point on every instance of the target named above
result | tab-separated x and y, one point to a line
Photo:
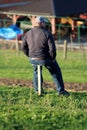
76	87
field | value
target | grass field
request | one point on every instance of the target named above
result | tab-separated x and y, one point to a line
22	109
74	69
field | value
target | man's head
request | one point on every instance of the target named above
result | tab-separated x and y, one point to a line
40	21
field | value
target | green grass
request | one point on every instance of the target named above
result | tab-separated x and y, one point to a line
74	69
21	109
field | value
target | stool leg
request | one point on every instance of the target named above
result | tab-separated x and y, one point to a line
39	80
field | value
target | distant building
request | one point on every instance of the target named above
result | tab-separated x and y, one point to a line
53	10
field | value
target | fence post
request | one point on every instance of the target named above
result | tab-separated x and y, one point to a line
17	46
65	49
82	47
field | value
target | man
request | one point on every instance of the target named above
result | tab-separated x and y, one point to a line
39	46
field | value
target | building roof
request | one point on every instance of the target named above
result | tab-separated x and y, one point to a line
10	1
43	7
7	4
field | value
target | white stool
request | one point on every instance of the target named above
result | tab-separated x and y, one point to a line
39	79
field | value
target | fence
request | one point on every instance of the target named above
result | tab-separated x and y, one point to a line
65	39
63	31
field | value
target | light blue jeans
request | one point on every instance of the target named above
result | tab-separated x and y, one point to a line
54	70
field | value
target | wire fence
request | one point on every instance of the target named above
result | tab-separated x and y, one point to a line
63	31
65	38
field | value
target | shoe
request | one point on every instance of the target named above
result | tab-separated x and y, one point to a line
64	93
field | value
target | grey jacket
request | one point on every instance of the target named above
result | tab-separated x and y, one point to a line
39	43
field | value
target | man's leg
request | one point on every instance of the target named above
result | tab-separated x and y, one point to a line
55	71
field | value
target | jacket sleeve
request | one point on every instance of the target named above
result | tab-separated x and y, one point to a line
24	46
52	47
